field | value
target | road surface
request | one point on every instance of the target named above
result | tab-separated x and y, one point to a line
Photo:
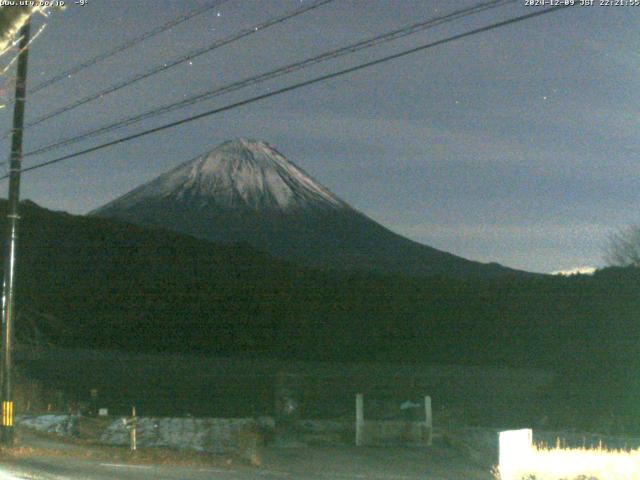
53	459
304	464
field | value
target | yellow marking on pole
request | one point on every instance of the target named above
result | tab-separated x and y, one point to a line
7	414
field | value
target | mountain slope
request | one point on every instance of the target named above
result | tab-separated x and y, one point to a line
245	191
115	285
100	283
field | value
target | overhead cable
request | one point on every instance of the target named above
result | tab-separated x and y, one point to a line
278	72
296	86
182	59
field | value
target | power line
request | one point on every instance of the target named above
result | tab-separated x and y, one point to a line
296	86
287	69
189	56
125	46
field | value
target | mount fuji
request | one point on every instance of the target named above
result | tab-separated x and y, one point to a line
245	191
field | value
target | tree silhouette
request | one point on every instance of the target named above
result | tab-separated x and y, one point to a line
623	248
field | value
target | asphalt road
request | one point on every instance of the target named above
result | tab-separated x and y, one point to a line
303	464
64	468
58	469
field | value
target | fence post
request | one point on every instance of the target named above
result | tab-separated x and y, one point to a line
428	419
359	418
134	430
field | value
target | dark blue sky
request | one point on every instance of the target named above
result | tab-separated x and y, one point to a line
518	145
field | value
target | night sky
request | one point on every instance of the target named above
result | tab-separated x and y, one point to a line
519	145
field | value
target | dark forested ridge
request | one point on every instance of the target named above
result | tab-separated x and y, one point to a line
116	286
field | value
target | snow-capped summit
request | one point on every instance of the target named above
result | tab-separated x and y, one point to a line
238	174
245	191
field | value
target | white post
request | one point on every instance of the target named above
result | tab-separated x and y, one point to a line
359	418
515	452
428	419
134	428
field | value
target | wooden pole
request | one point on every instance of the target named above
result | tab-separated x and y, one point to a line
359	418
134	430
428	417
8	289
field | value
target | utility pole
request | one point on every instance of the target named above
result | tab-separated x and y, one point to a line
15	166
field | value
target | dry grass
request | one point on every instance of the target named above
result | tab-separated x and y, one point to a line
542	463
250	443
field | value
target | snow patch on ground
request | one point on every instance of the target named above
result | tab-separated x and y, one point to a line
60	424
218	435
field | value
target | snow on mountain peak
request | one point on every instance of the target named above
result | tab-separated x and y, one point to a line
238	174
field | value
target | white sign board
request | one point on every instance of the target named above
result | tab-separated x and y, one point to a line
515	451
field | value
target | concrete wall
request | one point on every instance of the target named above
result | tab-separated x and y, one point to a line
391	433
